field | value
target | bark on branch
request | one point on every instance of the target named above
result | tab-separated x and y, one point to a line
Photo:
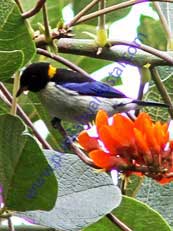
88	47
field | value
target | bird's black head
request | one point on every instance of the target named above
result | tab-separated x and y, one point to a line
35	77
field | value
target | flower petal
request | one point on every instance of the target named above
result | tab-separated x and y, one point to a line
107	139
141	121
87	142
101	119
122	130
105	160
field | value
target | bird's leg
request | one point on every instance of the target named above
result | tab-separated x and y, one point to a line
56	123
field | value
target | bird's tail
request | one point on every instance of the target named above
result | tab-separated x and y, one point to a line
150	103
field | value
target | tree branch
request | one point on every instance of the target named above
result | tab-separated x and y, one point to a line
146	48
46	24
62	60
35	10
117	222
27	228
162	89
163	20
88	47
10	224
22	114
82	12
113	8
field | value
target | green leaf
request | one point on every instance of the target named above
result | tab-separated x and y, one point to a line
10	62
155	35
134	184
112	80
3	107
159	113
14	34
84	195
167	12
54	9
110	18
136	215
159	197
91	64
55	138
26	177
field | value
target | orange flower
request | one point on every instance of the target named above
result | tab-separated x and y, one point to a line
132	147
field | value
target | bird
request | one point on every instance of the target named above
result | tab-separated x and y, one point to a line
75	97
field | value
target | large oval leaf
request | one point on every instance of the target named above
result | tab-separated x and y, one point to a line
155	35
160	113
10	62
27	180
136	215
84	195
158	197
14	34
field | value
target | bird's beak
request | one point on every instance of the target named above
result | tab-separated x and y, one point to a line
21	90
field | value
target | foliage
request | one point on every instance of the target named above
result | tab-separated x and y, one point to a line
55	189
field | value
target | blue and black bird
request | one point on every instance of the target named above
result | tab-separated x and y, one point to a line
68	95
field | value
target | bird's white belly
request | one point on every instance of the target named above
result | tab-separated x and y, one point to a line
69	105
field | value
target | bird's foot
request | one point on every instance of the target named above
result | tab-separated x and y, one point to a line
56	123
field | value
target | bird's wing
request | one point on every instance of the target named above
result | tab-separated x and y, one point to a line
94	88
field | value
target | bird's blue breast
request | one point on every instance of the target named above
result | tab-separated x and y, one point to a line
94	88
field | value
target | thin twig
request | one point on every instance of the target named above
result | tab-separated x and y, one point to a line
10	224
117	222
101	30
22	114
113	8
162	89
163	20
82	12
143	47
56	123
34	10
19	5
46	24
102	18
15	88
62	60
82	155
28	228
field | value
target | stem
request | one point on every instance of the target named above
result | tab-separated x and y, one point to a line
10	224
101	30
19	5
162	89
22	114
82	12
102	18
82	155
62	60
140	96
46	24
146	48
117	222
34	10
15	88
88	47
163	20
28	228
56	123
113	8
